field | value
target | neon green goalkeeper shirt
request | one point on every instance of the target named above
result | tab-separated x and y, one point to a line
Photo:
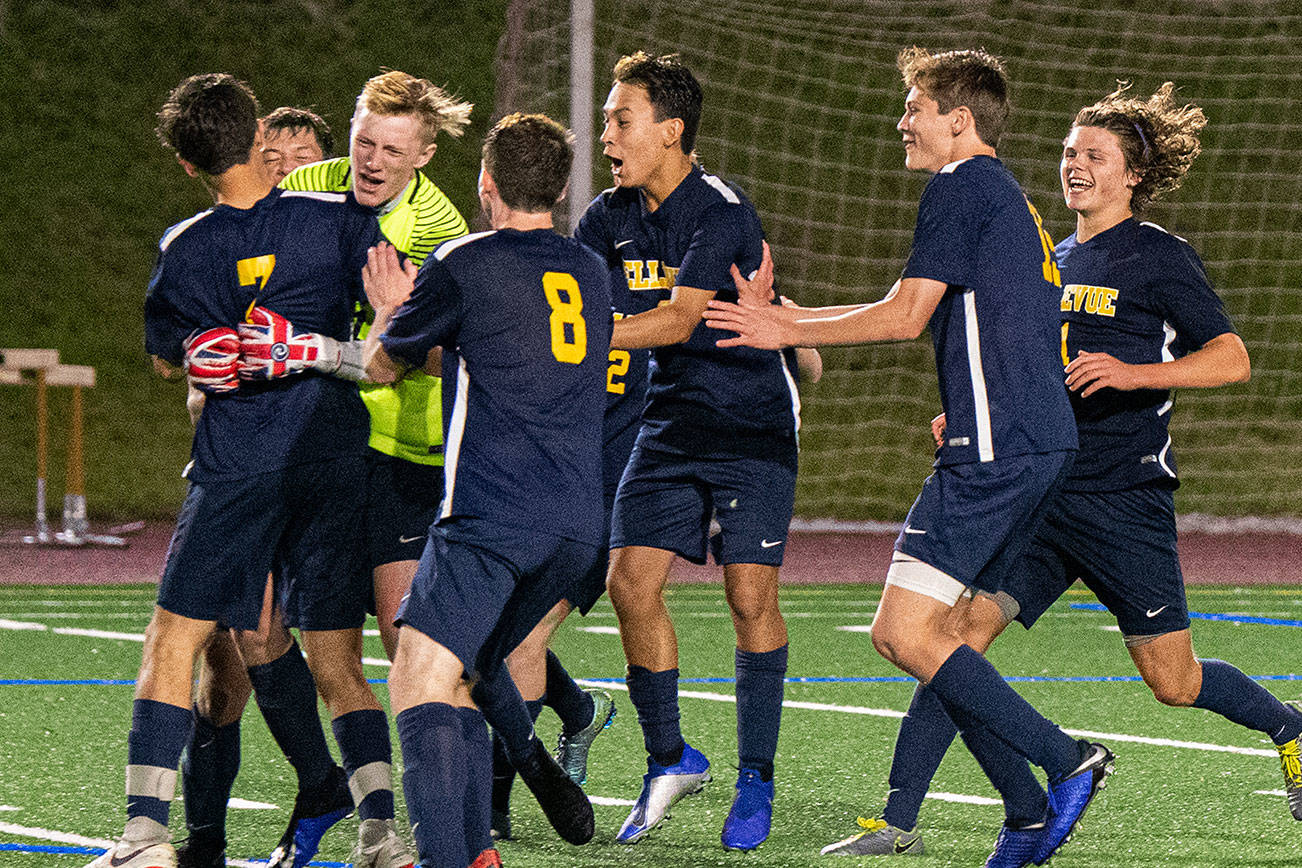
407	417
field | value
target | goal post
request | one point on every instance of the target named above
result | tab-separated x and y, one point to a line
801	99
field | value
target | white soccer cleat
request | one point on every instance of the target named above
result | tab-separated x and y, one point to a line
133	854
378	846
662	787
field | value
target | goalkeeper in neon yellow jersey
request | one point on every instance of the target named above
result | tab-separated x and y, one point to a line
393	130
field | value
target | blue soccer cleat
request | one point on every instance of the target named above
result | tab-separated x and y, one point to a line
314	814
1069	798
752	812
1014	848
662	787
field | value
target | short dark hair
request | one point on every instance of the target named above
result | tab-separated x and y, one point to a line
529	158
972	77
288	119
210	120
673	90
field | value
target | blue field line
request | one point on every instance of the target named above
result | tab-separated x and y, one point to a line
1209	616
76	682
64	850
61	850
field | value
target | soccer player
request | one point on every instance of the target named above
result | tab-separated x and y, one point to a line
284	497
392	137
718	438
537	671
1139	319
294	137
291	137
981	273
524	313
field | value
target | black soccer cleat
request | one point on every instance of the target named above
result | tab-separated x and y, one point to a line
562	800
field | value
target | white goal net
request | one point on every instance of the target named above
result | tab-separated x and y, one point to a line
801	99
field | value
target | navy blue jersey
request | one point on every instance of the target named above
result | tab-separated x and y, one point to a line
702	399
626	385
1140	294
299	254
995	331
528	316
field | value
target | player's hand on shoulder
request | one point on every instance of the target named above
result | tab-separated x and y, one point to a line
757	287
270	348
212	359
938	430
388	282
1089	372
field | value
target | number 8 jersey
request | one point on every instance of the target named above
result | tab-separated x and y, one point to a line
528	317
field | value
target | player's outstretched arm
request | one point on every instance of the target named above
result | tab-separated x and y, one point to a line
1220	361
902	315
662	326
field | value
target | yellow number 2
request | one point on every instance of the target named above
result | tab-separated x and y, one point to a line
562	291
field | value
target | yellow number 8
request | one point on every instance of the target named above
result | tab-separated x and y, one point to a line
566	310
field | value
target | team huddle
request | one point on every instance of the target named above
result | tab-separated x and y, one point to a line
472	435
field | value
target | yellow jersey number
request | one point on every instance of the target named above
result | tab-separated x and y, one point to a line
569	345
1049	267
618	367
255	271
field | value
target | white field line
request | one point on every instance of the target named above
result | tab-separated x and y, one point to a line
811	706
964	800
600	629
56	837
603	800
250	805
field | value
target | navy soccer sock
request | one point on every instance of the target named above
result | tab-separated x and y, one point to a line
286	695
1236	697
925	735
572	705
363	738
503	775
507	712
1025	802
479	770
655	696
435	780
159	732
760	682
968	686
208	770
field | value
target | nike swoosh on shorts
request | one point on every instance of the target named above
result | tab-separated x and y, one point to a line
768	545
1153	613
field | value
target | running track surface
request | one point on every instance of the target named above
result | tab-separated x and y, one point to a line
811	558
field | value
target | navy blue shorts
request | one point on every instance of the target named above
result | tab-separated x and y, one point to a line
1122	545
481	587
303	524
666	500
586	590
403	500
973	521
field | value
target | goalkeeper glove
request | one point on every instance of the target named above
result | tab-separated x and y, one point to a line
212	359
270	349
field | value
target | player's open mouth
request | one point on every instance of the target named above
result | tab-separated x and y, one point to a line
616	165
1076	185
369	182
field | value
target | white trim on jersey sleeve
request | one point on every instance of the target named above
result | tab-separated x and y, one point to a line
456	430
721	188
1168	332
179	228
791	387
1162	229
318	195
1161	458
949	168
448	246
980	400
